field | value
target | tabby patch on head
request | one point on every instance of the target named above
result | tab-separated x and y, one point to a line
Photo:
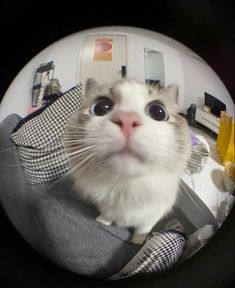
127	149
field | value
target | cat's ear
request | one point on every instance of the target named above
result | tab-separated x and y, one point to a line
172	92
90	84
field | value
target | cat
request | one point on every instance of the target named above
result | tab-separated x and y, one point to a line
126	150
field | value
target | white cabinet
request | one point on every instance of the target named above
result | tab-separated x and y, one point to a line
209	120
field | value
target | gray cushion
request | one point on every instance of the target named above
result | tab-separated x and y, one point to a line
55	222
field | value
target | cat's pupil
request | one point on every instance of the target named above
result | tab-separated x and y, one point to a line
157	111
101	106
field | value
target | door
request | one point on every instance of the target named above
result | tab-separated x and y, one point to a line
103	58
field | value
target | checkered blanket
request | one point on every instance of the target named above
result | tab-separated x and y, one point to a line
160	252
39	139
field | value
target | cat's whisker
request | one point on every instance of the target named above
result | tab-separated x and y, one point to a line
81	150
79	140
67	174
213	153
71	155
75	136
78	137
88	164
169	154
200	154
180	163
65	139
83	161
192	161
192	165
181	160
173	145
77	155
60	179
9	165
72	131
72	148
166	160
9	149
102	173
69	140
80	128
170	146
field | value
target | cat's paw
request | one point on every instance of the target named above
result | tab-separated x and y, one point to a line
139	239
101	219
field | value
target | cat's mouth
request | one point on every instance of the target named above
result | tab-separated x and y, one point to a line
127	152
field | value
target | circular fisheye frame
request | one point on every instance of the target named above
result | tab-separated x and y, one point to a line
36	133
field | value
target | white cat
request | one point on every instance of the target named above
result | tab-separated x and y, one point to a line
127	149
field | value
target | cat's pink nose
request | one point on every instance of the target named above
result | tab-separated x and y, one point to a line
127	121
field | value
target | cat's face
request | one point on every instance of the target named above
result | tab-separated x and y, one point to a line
130	129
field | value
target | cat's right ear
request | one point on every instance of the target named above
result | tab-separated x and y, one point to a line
90	85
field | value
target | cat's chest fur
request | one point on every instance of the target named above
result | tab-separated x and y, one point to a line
127	202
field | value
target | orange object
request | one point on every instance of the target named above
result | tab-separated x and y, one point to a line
225	140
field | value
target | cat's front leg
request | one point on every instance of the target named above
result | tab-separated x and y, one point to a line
139	239
141	232
103	220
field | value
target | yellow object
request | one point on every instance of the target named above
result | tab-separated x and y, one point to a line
229	168
225	140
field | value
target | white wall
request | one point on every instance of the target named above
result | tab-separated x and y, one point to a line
17	98
66	53
136	68
199	78
191	75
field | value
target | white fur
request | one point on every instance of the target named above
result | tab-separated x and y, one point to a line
130	189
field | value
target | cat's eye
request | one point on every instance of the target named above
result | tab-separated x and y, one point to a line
157	111
101	106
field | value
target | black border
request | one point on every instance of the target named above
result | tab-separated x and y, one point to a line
207	27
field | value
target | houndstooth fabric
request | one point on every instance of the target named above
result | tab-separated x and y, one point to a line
160	251
39	139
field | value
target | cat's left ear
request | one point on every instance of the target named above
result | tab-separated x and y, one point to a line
172	92
90	85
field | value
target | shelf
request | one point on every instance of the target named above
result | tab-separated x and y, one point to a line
210	121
